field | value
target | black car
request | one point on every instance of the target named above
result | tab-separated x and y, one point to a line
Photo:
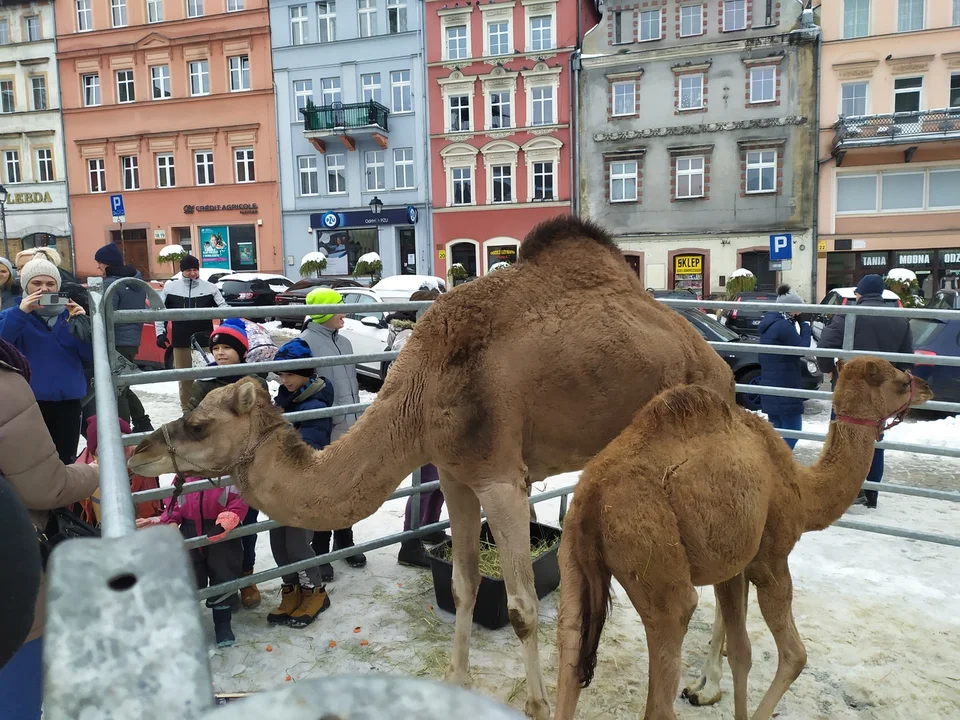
681	294
252	289
745	363
297	293
747	322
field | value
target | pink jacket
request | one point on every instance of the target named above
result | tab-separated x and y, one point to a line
204	506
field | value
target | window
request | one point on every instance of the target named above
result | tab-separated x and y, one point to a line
370	87
761	171
166	177
403	168
239	73
649	25
243	161
234	5
5	31
625	97
200	77
7	96
11	161
326	21
298	24
944	190
336	177
691	20
459	113
130	170
623	181
956	12
45	165
906	94
457	42
38	92
401	92
856	193
955	91
853	99
691	92
194	8
462	180
375	170
118	13
498	38
203	164
856	18
541	32
154	11
909	15
160	82
734	15
125	92
689	177
98	175
309	177
542	100
396	16
763	84
91	90
622	27
330	91
32	24
367	17
543	180
302	94
500	110
902	190
501	182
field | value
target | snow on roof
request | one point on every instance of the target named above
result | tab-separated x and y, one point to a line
369	257
254	276
742	272
902	275
849	292
174	250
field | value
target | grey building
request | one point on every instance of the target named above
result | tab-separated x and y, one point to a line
698	138
351	126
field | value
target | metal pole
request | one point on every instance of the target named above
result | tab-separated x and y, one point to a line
3	220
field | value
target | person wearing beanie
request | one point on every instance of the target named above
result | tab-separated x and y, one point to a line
322	336
8	284
186	291
872	333
783	328
49	337
303	595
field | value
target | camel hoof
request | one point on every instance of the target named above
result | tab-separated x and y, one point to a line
537	709
454	678
698	698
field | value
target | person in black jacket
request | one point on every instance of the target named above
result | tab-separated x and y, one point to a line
188	291
872	333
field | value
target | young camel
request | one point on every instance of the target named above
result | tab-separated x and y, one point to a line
698	492
522	374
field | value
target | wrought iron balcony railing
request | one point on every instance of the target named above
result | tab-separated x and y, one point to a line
896	128
338	116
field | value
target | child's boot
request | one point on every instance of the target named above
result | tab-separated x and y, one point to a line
290	597
313	601
221	626
344	539
250	595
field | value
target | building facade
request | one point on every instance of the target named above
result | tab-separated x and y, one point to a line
171	105
498	77
890	139
351	109
698	139
31	131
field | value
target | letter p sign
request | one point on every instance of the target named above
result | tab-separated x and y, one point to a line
781	247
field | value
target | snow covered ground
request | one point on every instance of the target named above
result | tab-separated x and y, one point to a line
878	614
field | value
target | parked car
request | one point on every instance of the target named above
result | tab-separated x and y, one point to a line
208	274
945	300
682	294
846	296
745	364
297	293
933	338
401	287
252	289
747	322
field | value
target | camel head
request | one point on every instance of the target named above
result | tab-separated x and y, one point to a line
873	389
209	440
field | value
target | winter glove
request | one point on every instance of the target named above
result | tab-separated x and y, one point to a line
228	521
162	341
79	327
147	522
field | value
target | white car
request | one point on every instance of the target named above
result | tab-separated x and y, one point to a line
209	274
846	296
401	287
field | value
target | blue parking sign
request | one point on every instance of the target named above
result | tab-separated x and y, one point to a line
781	247
116	206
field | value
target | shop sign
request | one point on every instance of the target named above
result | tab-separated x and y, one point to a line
244	208
362	218
25	198
913	258
950	257
873	260
688	265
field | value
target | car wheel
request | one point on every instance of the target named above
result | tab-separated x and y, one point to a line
750	401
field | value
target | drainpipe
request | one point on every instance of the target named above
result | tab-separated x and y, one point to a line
575	65
276	118
425	119
816	174
63	155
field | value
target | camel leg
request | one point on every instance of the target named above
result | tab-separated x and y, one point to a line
730	595
464	510
705	690
569	624
776	603
506	507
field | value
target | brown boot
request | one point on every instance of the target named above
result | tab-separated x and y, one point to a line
290	598
250	595
313	601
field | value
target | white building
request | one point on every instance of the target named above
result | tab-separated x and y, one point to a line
31	131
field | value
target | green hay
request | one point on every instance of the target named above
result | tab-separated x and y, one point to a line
490	556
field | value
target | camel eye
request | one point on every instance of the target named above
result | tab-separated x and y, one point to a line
194	428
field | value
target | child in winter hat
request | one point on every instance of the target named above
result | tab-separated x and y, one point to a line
786	296
231	333
323	296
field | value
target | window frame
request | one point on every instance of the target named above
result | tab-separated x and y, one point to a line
757	168
680	81
699	8
623	177
83	12
404	163
236	6
11	160
402	25
544	102
762	82
194	9
373	89
96	168
171	171
847	12
43	90
510	177
551	19
118	13
334	91
32	21
298	25
203	159
309	175
632	83
741	11
198	72
378	165
242	72
659	11
367	16
244	166
158	16
499	105
128	84
460	107
330	168
954	81
449	40
86	87
534	173
690	172
45	161
165	85
400	84
464	181
866	97
134	171
326	21
619	31
900	15
487	37
6	94
305	93
919	90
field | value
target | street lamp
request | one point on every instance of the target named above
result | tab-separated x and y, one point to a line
3	220
376	205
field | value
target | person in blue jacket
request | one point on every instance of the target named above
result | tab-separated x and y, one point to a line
55	340
303	595
777	328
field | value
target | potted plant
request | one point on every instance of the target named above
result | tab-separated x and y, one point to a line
369	264
904	283
172	254
313	264
457	274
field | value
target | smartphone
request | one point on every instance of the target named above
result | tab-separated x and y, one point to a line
57	298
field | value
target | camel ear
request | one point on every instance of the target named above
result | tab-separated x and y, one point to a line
245	396
840	364
873	374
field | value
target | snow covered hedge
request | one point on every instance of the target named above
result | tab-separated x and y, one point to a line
171	254
904	283
313	263
457	271
369	264
741	280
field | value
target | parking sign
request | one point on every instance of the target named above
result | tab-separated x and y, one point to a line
781	247
116	208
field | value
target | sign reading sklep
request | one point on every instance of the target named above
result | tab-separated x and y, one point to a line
688	265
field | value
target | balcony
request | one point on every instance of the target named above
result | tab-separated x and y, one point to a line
904	128
345	121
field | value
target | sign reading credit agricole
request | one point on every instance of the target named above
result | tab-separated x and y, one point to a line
244	208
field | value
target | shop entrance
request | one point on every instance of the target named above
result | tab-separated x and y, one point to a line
466	254
758	262
407	242
135	249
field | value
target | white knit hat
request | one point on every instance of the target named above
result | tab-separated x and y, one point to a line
38	266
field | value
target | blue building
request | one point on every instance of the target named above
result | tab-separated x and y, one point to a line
352	129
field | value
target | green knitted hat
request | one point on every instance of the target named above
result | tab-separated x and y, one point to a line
323	296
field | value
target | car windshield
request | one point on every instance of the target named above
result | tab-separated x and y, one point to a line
925	331
232	287
697	317
942	301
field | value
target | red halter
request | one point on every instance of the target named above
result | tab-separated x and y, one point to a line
884	423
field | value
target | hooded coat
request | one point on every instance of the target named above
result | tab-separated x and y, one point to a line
325	342
782	370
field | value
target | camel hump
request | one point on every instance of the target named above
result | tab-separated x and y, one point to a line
686	407
560	231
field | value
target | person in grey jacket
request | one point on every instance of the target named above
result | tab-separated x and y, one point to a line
323	336
127	336
8	285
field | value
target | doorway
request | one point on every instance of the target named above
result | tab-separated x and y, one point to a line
407	240
758	262
134	247
465	253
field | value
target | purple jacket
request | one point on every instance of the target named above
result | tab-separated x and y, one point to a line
204	506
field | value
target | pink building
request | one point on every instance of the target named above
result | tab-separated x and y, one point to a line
171	104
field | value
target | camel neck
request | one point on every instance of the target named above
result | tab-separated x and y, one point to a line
831	485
